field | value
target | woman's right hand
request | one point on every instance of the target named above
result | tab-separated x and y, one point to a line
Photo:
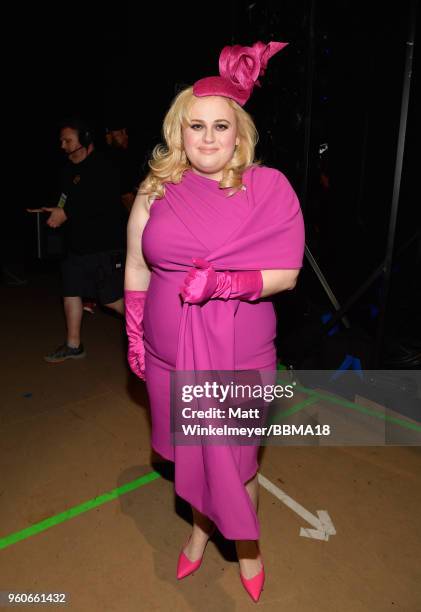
136	358
134	302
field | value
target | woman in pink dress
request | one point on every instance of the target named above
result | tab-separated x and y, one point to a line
211	236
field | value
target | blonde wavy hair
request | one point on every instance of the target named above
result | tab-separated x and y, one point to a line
169	161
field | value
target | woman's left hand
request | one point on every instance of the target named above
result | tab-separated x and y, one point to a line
200	283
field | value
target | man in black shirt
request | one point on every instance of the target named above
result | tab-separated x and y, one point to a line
125	160
90	208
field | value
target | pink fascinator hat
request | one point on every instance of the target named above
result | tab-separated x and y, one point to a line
239	69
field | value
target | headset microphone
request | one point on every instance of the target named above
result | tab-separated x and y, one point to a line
74	150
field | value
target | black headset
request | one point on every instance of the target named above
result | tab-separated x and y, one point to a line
84	133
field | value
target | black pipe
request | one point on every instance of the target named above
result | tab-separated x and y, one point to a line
397	183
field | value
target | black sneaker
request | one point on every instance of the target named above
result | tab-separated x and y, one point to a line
64	352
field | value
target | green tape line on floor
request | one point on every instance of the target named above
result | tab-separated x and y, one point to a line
76	510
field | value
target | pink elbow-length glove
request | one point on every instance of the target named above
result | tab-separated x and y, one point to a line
203	283
134	305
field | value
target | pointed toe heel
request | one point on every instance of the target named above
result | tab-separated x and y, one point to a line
185	567
254	586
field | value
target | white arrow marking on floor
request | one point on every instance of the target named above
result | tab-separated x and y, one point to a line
322	523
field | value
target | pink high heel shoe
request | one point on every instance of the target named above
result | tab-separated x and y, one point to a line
185	567
254	586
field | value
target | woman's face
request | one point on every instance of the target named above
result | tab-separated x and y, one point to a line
211	135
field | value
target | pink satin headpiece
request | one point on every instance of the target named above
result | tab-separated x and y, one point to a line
239	69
